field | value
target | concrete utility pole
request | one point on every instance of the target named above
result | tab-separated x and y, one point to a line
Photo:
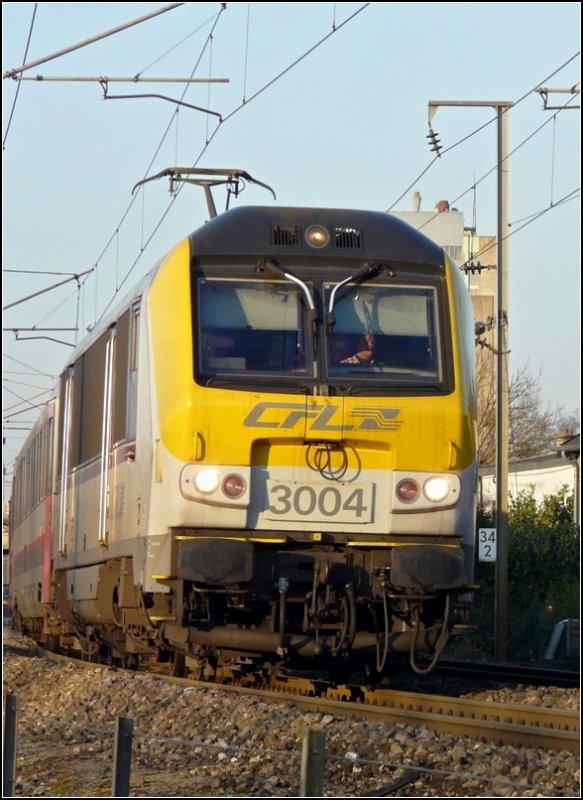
502	352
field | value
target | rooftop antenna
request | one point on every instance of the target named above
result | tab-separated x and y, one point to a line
234	179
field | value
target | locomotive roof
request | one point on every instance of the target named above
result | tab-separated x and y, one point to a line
112	315
238	231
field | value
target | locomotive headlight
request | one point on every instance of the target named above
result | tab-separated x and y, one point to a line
425	491
216	485
436	489
234	486
207	481
317	236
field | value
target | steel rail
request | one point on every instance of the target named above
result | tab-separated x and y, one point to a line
482	720
539	676
526	726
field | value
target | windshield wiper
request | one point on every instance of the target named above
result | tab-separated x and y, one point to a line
272	266
364	273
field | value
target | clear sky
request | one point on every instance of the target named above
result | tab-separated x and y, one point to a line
325	102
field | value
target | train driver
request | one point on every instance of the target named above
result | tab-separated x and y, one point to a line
364	351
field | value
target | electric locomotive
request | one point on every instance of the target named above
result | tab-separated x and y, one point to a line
267	454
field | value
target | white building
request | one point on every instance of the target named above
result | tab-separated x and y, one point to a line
544	475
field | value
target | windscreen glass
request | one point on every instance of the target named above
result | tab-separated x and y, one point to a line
251	326
385	331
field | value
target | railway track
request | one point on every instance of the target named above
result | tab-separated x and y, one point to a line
526	726
487	721
533	676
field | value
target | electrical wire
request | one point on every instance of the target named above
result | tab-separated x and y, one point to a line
572	195
12	73
175	46
210	138
29	367
531	217
243	104
18	87
481	128
135	196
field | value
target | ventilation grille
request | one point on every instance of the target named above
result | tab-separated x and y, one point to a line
347	238
289	235
286	235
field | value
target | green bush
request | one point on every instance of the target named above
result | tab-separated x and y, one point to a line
543	577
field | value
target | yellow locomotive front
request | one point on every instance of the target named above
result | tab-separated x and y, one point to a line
313	480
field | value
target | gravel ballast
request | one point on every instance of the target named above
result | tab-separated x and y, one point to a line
191	742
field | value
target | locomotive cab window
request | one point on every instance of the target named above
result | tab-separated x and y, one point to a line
250	326
387	332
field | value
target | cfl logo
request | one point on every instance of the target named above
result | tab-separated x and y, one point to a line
269	415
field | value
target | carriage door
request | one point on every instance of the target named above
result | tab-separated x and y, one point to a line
106	460
65	456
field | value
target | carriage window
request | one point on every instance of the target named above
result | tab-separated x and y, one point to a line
252	326
390	331
121	373
91	400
